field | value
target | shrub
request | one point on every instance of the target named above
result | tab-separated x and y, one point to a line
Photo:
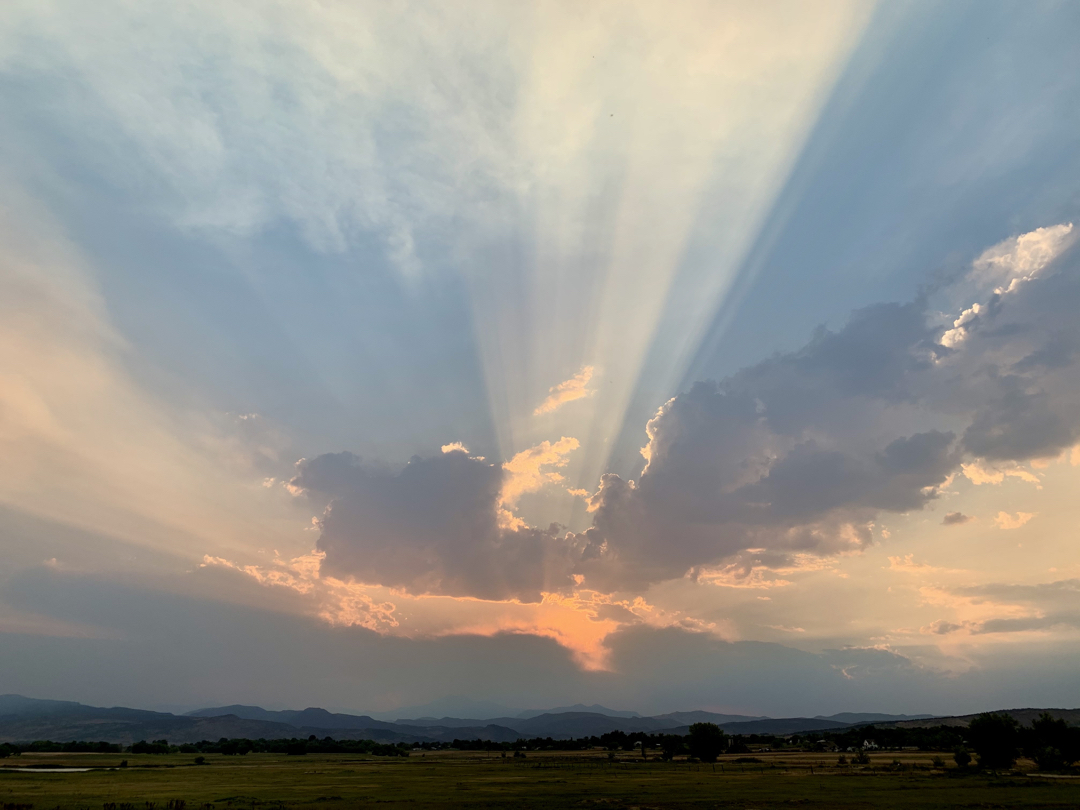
1049	759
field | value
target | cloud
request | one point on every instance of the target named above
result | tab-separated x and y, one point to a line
796	457
979	473
1019	423
1004	520
801	453
908	565
525	471
574	388
956	519
336	602
1011	262
1007	608
434	526
769	459
942	627
953	337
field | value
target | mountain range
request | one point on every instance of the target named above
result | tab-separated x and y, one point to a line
23	719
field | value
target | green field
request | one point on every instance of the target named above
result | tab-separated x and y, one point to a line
468	779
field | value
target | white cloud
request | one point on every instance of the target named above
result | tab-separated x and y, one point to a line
1011	262
955	336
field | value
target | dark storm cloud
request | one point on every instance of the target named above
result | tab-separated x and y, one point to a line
1018	424
431	527
804	451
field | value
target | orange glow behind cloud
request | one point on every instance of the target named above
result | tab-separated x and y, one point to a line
580	622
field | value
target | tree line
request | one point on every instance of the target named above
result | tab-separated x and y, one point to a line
996	740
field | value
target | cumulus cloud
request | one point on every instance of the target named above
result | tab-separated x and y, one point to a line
574	388
431	527
801	453
773	457
1011	262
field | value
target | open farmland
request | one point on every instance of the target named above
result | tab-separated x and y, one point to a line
470	779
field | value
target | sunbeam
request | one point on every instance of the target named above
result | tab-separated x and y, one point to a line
675	126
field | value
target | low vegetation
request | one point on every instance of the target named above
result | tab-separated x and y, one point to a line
1009	766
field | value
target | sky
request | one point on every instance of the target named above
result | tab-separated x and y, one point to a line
716	355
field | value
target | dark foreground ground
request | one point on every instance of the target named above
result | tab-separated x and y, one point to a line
467	779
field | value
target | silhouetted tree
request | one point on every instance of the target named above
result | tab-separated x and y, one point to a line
670	745
1052	743
706	741
995	738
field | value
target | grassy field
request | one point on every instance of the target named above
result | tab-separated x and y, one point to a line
466	779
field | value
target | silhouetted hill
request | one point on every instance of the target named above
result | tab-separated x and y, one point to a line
856	718
784	725
25	719
306	718
1022	716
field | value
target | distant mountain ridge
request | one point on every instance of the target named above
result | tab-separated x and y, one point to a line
596	708
855	718
313	717
23	719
